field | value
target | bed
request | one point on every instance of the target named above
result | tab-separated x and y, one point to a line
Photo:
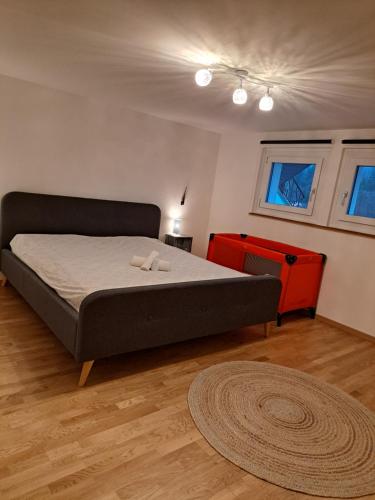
145	314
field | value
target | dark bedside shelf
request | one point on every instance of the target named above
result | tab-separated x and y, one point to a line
179	241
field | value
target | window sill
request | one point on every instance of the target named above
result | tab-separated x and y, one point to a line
288	216
324	227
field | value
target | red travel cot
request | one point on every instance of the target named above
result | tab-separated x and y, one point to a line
299	270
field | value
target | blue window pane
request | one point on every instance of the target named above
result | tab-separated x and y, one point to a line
290	184
362	199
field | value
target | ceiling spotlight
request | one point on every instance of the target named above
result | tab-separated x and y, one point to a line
266	103
203	77
240	95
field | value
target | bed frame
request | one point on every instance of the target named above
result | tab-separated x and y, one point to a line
122	320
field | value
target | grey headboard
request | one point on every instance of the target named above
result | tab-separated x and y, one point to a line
41	213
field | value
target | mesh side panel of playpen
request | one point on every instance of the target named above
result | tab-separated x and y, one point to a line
254	264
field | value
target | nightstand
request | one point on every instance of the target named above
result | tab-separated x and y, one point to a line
179	241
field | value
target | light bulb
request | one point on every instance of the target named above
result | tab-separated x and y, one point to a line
203	77
240	96
266	103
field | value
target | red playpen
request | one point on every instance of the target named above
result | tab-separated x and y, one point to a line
299	270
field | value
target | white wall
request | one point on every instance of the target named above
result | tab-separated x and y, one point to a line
54	142
348	288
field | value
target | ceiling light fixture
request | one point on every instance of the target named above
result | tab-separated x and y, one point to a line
266	103
203	77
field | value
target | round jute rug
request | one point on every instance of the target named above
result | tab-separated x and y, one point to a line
286	427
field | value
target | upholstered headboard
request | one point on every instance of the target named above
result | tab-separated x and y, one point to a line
41	213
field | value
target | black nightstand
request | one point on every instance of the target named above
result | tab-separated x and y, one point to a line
179	240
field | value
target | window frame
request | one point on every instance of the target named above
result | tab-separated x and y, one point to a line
339	218
291	154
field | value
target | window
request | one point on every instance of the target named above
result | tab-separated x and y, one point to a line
288	182
354	204
293	183
362	199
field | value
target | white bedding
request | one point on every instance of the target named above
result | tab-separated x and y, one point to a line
75	266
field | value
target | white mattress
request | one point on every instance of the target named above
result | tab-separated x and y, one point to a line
75	266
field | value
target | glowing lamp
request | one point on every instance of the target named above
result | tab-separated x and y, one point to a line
240	96
177	226
266	103
203	77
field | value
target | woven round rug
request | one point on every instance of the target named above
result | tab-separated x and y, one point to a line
286	427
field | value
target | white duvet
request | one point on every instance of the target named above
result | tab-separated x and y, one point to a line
75	266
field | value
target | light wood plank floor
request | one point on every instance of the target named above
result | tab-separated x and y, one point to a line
128	434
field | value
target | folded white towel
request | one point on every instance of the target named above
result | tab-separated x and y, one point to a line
137	261
157	264
163	265
146	266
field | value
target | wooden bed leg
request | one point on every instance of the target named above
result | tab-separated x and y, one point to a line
86	367
3	279
267	328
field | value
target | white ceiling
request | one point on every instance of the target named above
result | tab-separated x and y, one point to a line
143	54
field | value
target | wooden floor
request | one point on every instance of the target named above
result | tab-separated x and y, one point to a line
128	433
